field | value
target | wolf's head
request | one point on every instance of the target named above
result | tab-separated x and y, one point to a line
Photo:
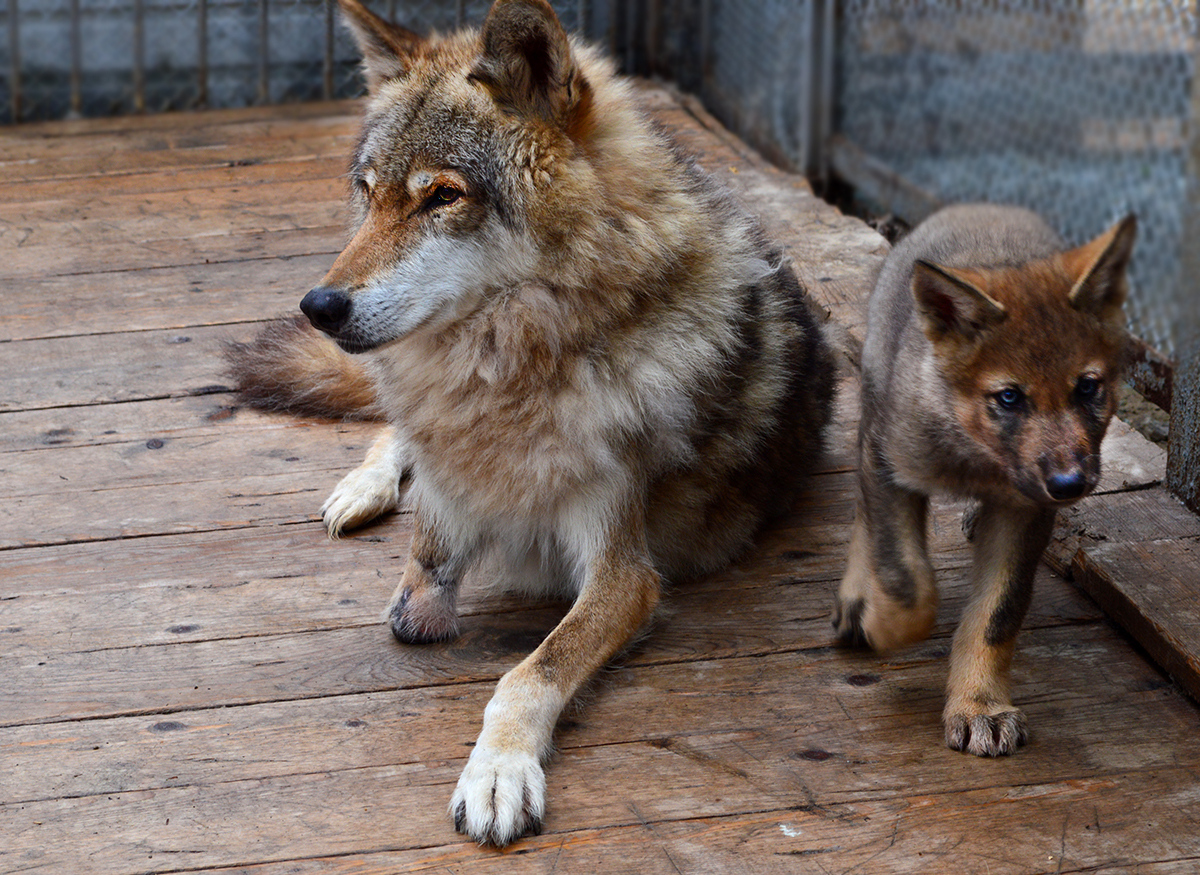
451	179
1031	355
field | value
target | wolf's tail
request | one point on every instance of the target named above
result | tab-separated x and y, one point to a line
292	367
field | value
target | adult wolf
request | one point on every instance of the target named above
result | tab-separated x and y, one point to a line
990	370
592	363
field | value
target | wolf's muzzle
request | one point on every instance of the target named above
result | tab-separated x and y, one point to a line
327	309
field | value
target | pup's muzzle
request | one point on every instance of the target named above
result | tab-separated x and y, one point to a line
1067	485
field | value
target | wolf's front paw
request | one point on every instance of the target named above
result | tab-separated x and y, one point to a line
364	493
986	733
500	796
422	615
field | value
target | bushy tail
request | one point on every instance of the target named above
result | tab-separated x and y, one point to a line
292	367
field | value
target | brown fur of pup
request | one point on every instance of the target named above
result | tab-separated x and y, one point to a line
592	363
990	370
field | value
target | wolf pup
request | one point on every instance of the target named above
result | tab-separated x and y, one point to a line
592	363
990	370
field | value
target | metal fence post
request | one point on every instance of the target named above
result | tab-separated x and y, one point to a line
202	54
817	113
1183	448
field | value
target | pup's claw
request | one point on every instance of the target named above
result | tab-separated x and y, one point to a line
499	798
364	493
987	735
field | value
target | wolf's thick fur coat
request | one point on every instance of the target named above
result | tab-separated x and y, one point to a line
990	370
592	363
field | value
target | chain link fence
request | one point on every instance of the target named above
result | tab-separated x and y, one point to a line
62	58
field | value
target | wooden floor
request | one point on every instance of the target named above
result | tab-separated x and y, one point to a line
194	678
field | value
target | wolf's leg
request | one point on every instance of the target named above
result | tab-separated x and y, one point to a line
979	716
888	597
423	608
371	489
501	793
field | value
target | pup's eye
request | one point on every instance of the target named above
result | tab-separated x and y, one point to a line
1010	398
442	195
1087	387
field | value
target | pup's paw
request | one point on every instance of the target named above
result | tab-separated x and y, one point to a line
500	797
847	623
882	625
363	494
986	733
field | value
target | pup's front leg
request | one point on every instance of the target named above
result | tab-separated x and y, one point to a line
371	489
980	717
424	608
888	597
501	794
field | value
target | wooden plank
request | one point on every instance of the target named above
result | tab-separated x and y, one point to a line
134	124
1151	373
245	290
246	582
201	415
105	369
1127	579
171	485
56	676
236	171
187	134
1129	461
158	230
140	255
780	843
1123	517
1077	820
841	713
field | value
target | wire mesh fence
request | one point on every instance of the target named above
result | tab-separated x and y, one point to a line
60	58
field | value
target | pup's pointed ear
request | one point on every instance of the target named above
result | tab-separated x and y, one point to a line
1099	270
386	48
526	63
951	304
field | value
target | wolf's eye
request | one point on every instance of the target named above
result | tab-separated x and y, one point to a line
1087	388
1010	398
442	195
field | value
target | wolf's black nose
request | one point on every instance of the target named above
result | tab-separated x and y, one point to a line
327	309
1066	485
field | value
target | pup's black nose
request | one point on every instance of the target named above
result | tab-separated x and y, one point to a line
327	309
1066	485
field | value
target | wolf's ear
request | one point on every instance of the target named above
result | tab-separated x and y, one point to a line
1099	270
386	48
950	303
526	64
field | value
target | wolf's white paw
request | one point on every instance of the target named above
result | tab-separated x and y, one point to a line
364	493
500	797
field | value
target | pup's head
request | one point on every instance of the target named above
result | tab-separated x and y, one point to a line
462	137
1032	355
